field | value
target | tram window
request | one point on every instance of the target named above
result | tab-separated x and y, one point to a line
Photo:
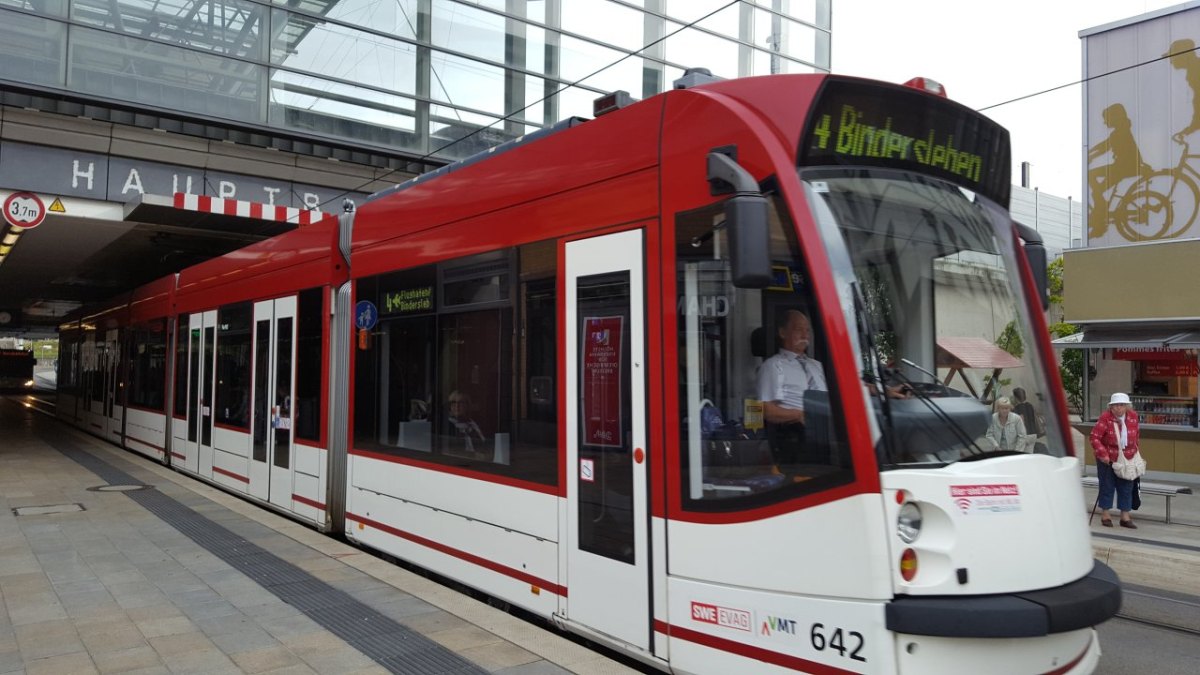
749	359
68	358
96	367
460	369
262	360
309	349
606	514
198	380
181	388
147	366
233	365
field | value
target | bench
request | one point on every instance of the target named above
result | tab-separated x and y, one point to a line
1163	489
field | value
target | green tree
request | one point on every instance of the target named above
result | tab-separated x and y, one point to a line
1071	365
1010	340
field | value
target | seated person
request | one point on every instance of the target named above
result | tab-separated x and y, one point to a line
459	425
782	381
1007	430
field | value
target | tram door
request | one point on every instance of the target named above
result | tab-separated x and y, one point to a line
272	446
202	338
607	537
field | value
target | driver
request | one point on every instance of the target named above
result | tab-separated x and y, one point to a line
782	381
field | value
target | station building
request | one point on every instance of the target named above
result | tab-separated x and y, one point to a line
118	116
1133	288
110	110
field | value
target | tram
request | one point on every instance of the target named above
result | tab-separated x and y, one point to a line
539	372
16	368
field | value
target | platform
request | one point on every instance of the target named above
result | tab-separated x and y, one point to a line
111	563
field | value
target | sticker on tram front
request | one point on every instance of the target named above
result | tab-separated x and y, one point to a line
981	499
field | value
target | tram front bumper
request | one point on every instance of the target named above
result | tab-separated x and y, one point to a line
1080	604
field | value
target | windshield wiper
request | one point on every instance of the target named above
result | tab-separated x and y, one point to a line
919	391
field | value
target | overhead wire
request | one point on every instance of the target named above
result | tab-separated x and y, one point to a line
1088	79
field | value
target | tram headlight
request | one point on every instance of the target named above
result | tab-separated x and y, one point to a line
908	523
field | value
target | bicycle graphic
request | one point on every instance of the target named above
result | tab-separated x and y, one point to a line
1161	204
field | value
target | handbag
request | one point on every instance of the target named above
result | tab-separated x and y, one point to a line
1129	468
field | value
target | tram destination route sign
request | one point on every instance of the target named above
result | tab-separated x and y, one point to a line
868	124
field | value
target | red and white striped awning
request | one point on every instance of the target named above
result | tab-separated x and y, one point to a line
244	209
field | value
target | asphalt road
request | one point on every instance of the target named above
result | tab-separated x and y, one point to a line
1131	647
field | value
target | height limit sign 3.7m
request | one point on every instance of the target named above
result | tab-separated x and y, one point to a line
24	209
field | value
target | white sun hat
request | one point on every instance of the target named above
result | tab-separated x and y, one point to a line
1119	398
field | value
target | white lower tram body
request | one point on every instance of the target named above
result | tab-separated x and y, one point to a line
726	607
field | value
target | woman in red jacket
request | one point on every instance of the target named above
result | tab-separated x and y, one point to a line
1115	431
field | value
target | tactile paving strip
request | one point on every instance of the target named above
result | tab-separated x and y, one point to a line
387	642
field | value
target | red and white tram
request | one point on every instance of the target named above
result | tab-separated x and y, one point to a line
536	372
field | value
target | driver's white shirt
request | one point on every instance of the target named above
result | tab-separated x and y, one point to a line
785	377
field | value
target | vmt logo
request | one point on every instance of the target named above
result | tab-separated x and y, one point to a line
722	616
774	624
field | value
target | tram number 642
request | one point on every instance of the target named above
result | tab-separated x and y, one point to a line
836	641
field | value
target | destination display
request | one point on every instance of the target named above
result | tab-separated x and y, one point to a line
408	301
866	124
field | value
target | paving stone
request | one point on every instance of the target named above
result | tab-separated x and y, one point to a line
175	625
181	643
535	668
141	599
68	664
433	622
463	638
497	655
288	628
11	661
201	662
163	610
37	614
126	660
336	661
220	609
246	640
265	659
120	637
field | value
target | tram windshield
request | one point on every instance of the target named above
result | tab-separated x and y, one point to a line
931	287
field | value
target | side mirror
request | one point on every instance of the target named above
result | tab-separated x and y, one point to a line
1035	254
745	221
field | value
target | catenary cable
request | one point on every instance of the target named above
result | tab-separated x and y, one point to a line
1086	79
